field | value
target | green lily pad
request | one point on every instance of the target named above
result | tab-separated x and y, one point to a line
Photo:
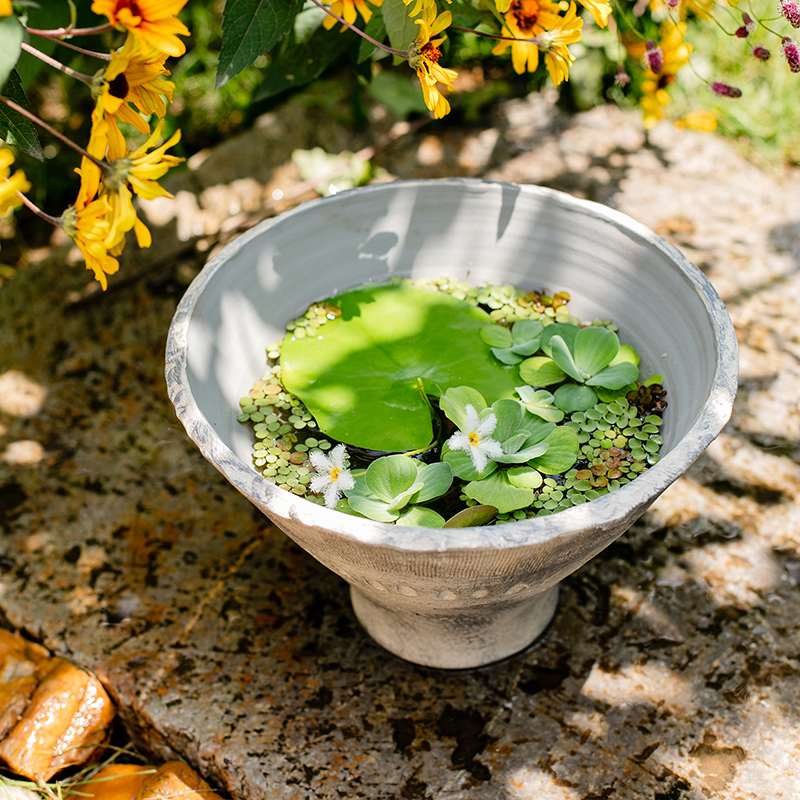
359	374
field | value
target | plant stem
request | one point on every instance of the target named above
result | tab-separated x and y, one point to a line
38	211
51	130
491	35
68	32
56	64
401	53
92	53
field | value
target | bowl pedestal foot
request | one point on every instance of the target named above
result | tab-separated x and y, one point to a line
465	637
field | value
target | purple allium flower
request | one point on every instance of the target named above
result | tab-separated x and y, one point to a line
790	10
761	53
792	53
653	57
723	90
621	78
673	3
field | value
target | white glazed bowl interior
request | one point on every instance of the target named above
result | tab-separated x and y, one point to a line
482	232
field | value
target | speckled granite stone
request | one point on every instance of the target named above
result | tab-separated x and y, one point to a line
671	669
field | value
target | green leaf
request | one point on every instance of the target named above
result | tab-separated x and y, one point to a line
462	467
497	336
391	476
540	403
399	92
399	26
359	375
455	400
524	477
616	376
436	480
653	380
593	350
626	353
563	449
526	455
372	509
10	41
564	359
376	28
497	491
17	130
472	516
304	54
541	371
572	397
251	28
565	330
419	517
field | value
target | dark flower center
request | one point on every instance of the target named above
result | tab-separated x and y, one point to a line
118	87
431	52
525	14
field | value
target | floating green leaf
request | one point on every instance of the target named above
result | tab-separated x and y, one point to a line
393	485
540	403
359	376
574	397
541	371
472	516
511	346
498	491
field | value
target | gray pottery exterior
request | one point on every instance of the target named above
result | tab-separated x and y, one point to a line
460	597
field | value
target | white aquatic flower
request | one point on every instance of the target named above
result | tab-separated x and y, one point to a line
332	476
476	439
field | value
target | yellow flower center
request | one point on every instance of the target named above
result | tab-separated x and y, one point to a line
474	439
334	476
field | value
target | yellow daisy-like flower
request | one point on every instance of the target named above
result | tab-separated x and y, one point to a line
554	43
676	51
86	223
134	75
421	5
599	9
5	8
137	173
526	19
10	184
503	5
425	57
347	9
153	21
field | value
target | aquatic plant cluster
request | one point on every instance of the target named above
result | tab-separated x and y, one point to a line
437	403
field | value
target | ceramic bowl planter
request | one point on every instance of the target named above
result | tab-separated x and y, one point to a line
459	597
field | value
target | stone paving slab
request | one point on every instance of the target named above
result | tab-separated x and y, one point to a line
671	669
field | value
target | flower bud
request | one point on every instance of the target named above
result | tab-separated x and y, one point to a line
790	10
761	53
792	53
653	57
621	78
723	90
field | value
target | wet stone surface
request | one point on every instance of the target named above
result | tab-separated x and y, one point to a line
671	669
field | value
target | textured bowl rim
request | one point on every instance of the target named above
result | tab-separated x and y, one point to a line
605	512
